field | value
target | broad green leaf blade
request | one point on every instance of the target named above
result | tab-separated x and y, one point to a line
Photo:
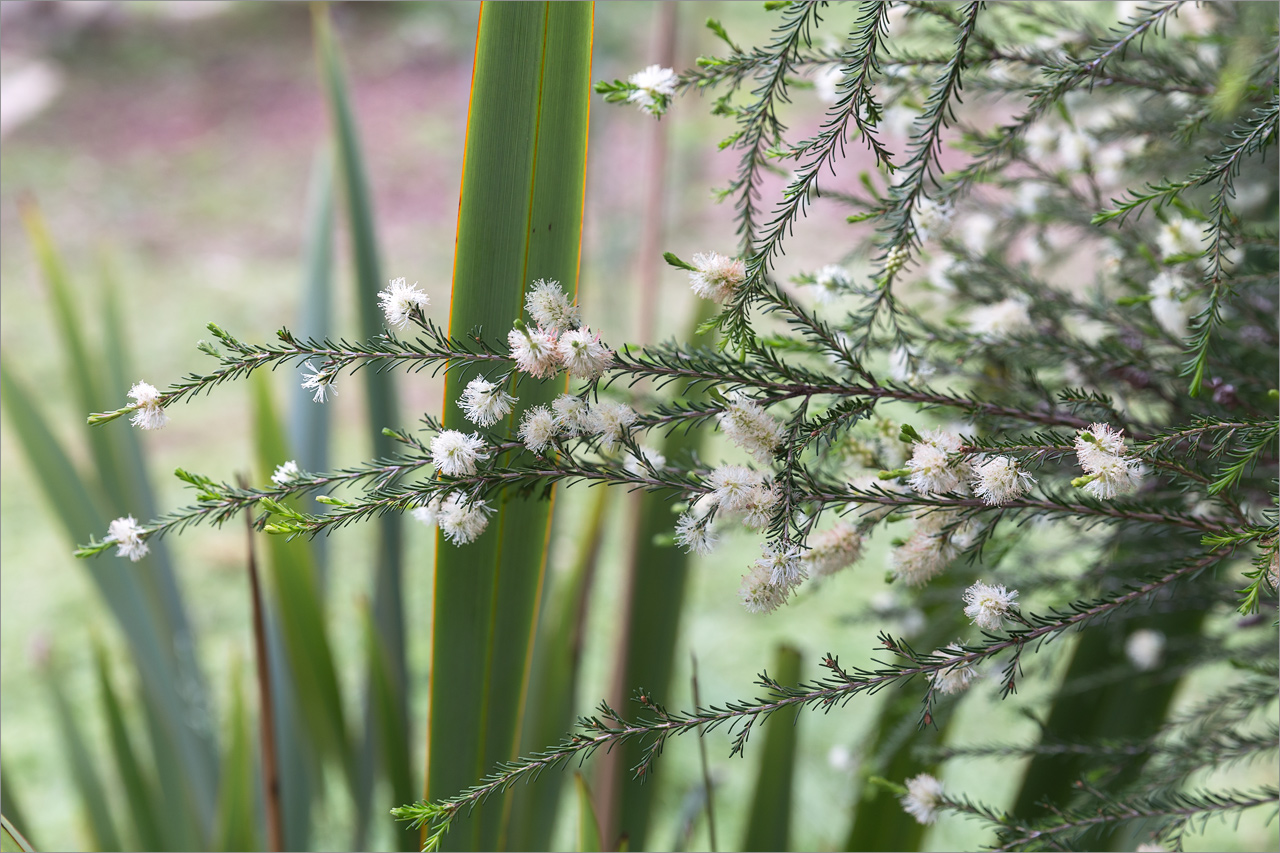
12	815
658	579
140	792
379	390
588	826
769	823
11	838
394	750
84	772
295	597
309	423
237	827
553	683
176	721
519	219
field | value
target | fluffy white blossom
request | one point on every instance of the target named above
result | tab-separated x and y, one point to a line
484	402
400	301
929	550
988	604
286	473
461	521
955	678
1041	140
694	535
1028	197
550	308
1145	649
716	276
610	420
1181	236
749	426
1169	306
1101	453
572	415
654	87
826	83
783	563
758	593
830	283
536	351
1075	147
147	412
1000	320
649	458
924	795
583	354
833	550
455	453
998	481
428	513
931	218
934	469
126	533
733	486
537	428
321	381
976	231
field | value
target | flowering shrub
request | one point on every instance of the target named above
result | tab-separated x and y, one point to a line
1073	324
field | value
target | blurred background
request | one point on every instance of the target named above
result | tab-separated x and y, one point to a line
170	147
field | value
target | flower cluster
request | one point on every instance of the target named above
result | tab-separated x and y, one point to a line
148	413
460	520
402	302
652	89
749	426
1108	471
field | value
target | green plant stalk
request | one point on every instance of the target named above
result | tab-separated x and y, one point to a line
769	824
139	790
237	827
380	398
519	219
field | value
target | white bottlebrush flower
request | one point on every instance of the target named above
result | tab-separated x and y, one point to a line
1042	141
1075	147
572	415
126	533
934	469
1181	236
976	230
550	308
400	301
900	369
455	453
955	678
461	521
537	428
783	564
1169	305
988	604
921	558
654	87
1001	320
833	550
733	487
716	276
536	351
584	356
649	458
694	535
610	420
1101	453
147	412
1028	197
749	426
931	218
1145	649
924	795
1114	476
758	593
758	506
322	382
826	83
830	283
484	402
428	513
286	473
998	481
